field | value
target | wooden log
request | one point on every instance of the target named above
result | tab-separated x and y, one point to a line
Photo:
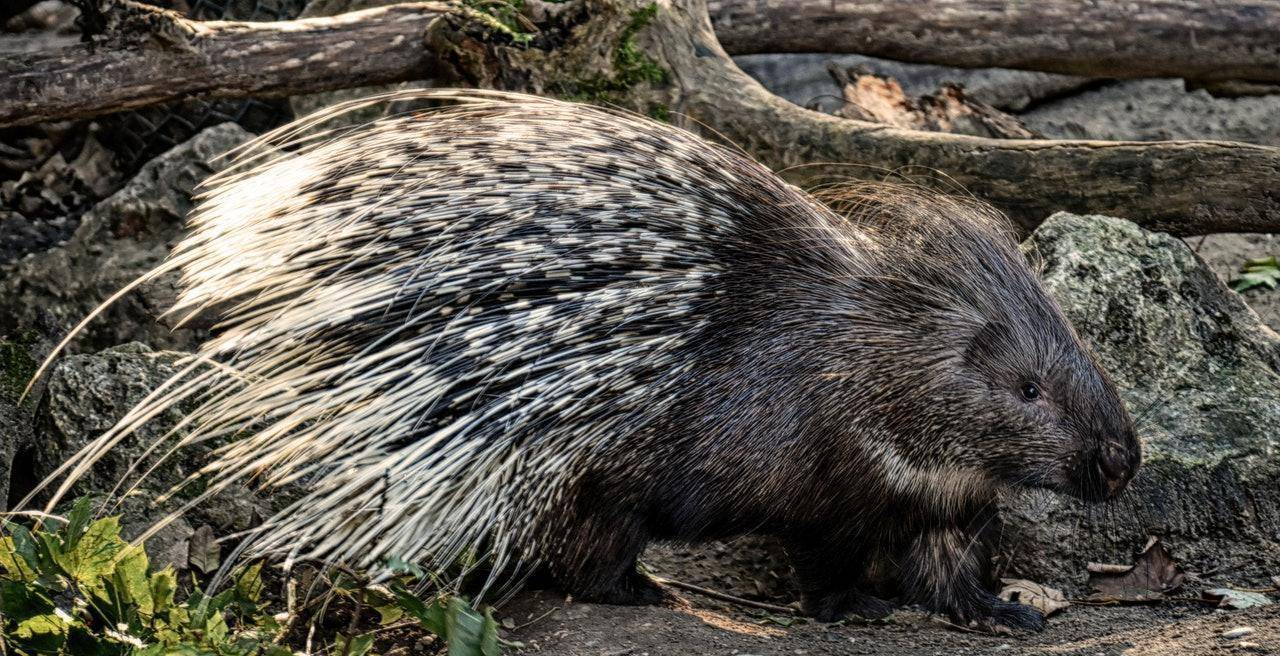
1193	39
222	59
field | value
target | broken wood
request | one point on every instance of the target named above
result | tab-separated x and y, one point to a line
1225	40
877	99
664	61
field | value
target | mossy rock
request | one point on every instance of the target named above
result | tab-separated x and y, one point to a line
1201	374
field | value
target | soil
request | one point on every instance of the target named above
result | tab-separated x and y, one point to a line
547	623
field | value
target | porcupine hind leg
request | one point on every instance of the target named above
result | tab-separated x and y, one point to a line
594	550
945	570
831	581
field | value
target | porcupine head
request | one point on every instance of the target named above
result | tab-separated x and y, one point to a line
547	334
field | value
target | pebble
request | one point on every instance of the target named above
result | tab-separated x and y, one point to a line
1238	632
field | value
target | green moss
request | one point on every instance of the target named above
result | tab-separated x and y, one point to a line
502	16
631	66
16	369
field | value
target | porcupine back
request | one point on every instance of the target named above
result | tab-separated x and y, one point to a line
436	319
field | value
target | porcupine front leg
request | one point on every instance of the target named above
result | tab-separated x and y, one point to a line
593	553
944	570
831	578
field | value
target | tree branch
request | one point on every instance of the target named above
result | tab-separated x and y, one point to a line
1183	187
1193	39
221	59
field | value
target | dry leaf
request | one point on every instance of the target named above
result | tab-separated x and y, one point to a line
203	552
1153	575
1044	599
1236	599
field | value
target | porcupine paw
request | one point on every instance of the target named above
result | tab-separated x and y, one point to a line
1005	617
835	606
1016	616
635	589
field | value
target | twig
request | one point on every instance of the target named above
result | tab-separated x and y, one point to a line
535	620
952	625
724	596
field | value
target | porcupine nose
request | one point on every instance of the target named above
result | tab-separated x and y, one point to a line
1117	465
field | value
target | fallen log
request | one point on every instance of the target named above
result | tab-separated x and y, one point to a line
158	56
1192	39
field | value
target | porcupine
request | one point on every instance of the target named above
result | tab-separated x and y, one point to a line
551	333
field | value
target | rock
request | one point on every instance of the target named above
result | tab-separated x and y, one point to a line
1201	374
17	364
1148	110
122	237
86	395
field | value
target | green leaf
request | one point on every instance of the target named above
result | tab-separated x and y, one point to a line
215	628
1262	263
1263	272
432	616
93	556
130	580
470	633
357	646
21	545
77	523
14	562
20	600
401	566
249	583
163	584
42	630
388	612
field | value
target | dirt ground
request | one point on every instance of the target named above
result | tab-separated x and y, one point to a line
547	623
706	627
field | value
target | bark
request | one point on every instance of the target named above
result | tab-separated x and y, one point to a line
1194	39
668	63
159	56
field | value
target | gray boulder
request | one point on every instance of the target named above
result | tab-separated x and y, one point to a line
1201	374
121	238
85	396
1150	110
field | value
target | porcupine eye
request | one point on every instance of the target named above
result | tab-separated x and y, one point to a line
1030	392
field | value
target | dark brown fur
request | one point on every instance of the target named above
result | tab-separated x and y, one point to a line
861	419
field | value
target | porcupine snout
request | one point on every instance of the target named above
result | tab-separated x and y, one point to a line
1117	462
